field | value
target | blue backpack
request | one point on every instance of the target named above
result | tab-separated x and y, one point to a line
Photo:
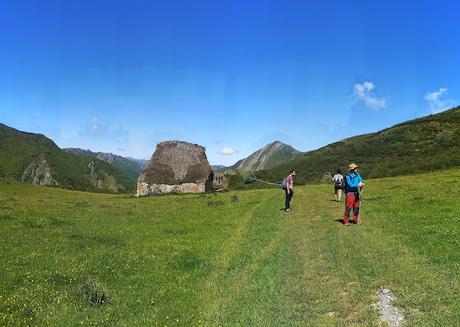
283	184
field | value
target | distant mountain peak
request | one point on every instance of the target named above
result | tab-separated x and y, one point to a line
270	155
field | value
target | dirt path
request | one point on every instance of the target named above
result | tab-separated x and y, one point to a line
310	270
338	270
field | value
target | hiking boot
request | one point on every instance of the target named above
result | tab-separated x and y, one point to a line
288	210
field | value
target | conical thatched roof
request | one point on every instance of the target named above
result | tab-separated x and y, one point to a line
177	162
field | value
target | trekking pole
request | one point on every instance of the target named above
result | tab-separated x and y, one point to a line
265	182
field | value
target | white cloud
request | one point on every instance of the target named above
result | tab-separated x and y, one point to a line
99	130
363	92
96	128
226	151
436	103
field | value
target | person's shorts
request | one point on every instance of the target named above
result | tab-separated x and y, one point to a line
337	187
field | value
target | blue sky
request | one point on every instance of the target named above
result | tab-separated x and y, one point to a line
120	76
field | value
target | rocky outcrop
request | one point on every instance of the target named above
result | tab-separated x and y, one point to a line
176	167
108	157
39	172
103	181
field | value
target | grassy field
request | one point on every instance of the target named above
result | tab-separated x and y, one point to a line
73	258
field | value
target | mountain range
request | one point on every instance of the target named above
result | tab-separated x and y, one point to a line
36	159
129	166
424	144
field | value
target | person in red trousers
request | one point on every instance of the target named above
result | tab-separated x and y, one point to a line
353	185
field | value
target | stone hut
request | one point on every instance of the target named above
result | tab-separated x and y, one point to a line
176	167
220	182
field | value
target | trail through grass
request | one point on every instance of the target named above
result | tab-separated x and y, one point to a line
205	260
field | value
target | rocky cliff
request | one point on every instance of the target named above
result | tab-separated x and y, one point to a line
39	172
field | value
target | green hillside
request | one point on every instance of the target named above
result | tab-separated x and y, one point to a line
18	150
130	167
230	259
425	144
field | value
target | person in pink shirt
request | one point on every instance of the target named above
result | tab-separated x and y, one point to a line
289	190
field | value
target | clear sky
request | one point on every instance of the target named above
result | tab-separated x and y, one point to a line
121	76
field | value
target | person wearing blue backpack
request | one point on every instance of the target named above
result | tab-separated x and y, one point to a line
353	186
288	186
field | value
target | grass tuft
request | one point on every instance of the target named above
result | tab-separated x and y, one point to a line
94	293
81	204
187	261
215	203
6	217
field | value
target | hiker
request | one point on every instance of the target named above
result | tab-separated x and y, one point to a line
353	185
289	190
338	185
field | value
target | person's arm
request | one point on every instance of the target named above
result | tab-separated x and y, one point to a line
360	182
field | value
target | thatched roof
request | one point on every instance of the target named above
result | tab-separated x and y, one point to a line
177	162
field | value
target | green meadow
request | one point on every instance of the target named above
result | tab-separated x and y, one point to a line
71	258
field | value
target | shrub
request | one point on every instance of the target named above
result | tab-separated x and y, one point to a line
249	178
